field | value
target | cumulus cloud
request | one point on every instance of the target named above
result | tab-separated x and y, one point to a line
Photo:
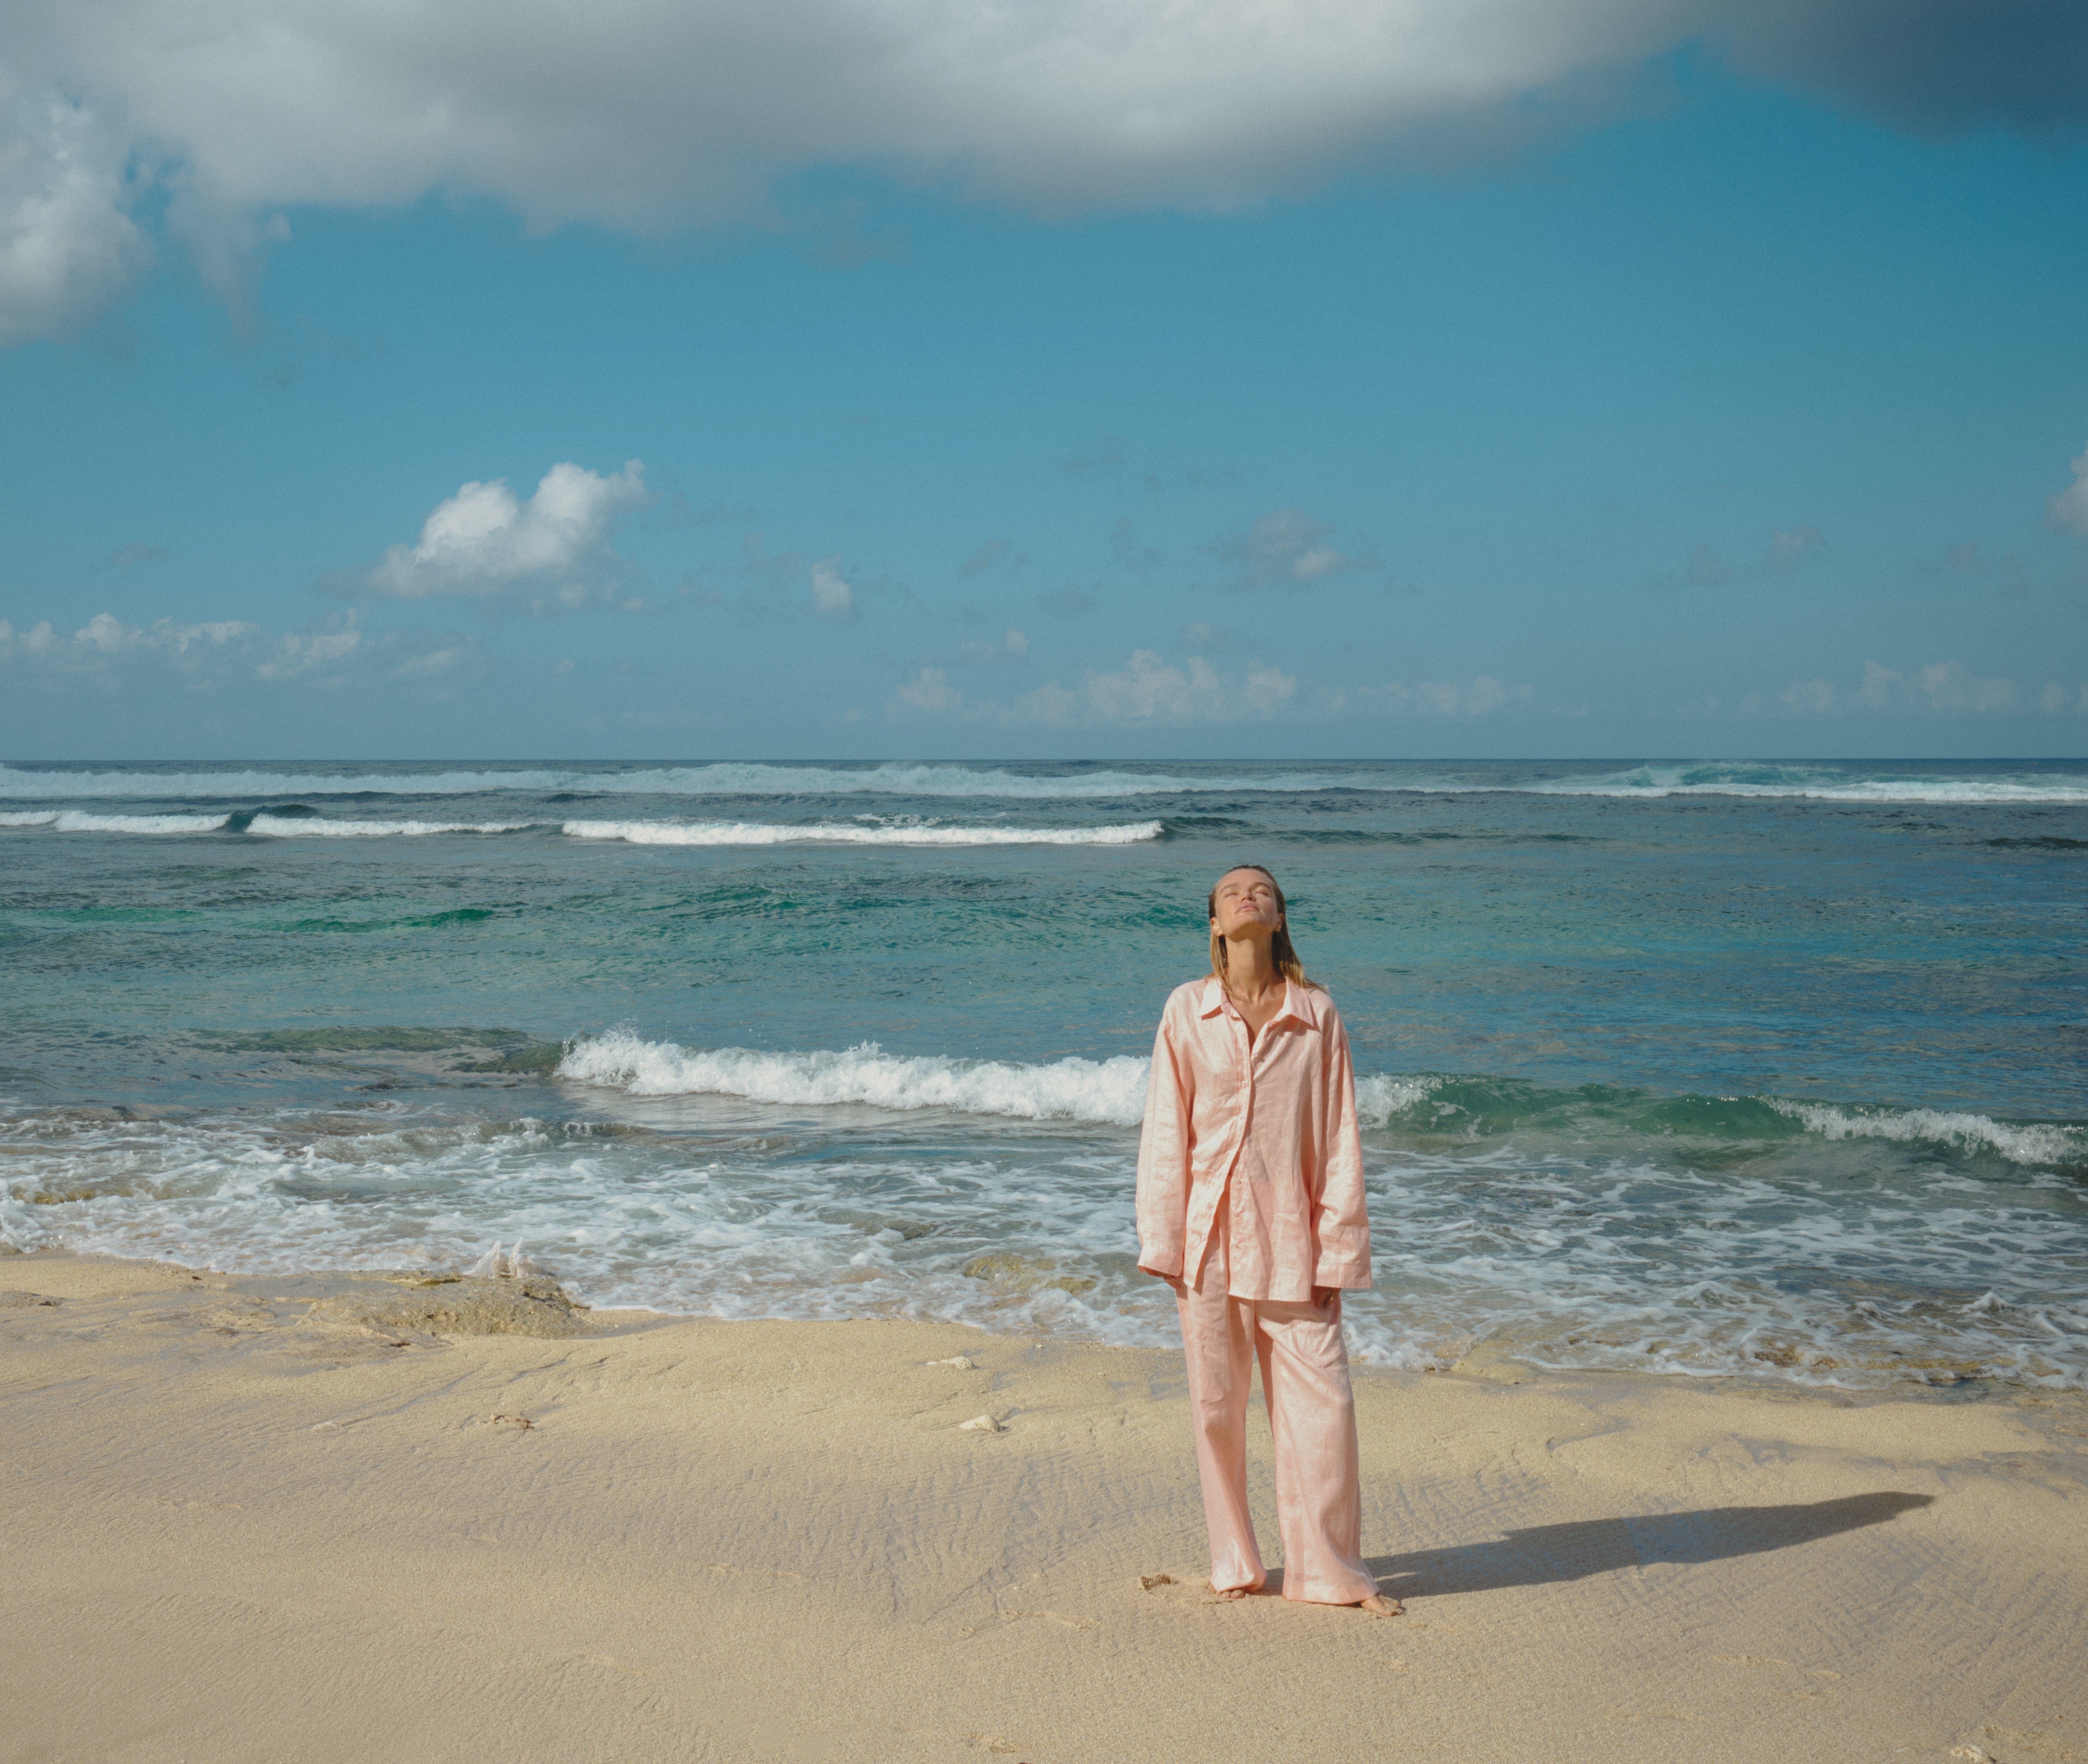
554	548
930	690
1809	698
831	593
666	112
105	638
2057	698
1012	647
2070	507
1942	686
68	245
218	654
306	652
1287	547
1450	698
1148	689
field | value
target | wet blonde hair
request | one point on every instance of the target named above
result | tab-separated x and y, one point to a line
1281	949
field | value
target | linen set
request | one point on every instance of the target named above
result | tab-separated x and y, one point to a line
1251	1189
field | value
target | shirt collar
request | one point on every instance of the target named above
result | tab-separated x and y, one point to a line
1294	1002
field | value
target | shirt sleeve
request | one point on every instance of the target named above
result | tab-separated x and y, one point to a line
1341	1227
1163	1155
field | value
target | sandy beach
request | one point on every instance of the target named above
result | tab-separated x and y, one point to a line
319	1518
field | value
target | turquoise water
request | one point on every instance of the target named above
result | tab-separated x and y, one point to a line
1775	1069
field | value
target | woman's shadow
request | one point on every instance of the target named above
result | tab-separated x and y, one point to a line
1545	1554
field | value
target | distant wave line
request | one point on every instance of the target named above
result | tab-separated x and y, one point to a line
717	780
265	824
655	832
1733	778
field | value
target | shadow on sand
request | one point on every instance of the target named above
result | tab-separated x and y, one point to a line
1547	1554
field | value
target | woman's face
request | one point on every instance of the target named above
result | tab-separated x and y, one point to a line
1247	898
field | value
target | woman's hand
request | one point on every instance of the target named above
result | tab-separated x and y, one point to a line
1180	1286
1327	1298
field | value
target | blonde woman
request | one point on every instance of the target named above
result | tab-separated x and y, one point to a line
1251	1207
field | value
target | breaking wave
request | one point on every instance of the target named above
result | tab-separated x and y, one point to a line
1824	784
72	820
1113	1090
2035	1144
321	827
1110	1090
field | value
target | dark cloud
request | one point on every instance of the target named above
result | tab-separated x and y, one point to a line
1929	66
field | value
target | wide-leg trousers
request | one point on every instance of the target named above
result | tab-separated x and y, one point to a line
1312	1416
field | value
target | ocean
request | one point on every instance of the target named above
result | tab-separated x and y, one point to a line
1776	1071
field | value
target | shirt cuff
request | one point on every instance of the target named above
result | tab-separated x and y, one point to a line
1337	1268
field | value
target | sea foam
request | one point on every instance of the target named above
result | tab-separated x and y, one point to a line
721	832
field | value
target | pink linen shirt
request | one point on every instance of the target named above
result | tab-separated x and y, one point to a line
1266	1131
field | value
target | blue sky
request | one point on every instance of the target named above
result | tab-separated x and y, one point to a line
1689	402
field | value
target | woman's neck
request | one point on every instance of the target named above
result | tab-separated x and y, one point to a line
1250	969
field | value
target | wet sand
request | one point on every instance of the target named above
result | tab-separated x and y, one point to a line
243	1524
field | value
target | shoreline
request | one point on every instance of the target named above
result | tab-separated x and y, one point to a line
247	1522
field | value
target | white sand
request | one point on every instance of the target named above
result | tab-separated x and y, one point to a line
232	1536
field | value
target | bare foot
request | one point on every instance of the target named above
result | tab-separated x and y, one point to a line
1227	1592
1381	1604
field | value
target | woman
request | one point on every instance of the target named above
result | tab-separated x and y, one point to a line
1251	1207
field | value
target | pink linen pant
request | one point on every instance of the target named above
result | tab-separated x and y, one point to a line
1312	1415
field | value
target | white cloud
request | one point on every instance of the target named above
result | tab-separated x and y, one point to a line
1450	698
661	114
981	652
1147	689
1286	547
304	652
1947	686
830	594
226	653
1814	698
555	548
930	690
423	667
2057	699
105	638
1943	685
2070	507
67	247
1268	689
